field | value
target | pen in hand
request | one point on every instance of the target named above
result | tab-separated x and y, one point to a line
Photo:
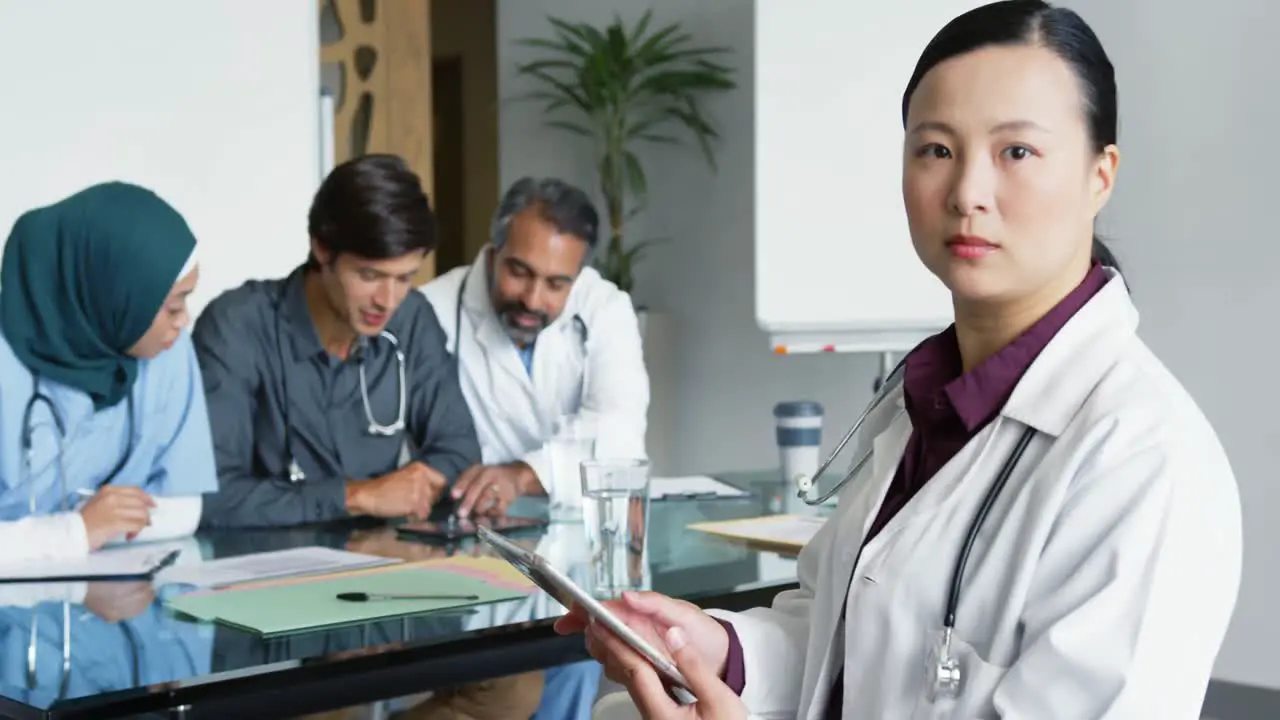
87	496
366	597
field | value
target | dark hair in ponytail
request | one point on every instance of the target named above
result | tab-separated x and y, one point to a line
1103	255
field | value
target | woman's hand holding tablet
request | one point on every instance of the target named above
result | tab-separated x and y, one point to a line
697	644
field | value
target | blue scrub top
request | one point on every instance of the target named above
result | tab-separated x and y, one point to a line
106	656
170	452
526	358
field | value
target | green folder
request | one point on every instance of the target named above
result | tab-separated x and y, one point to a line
313	604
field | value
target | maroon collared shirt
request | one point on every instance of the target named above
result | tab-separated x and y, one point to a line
947	408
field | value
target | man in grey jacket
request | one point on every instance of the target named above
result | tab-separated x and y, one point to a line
330	391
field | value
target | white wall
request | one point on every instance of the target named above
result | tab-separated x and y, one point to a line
1191	217
1193	221
212	105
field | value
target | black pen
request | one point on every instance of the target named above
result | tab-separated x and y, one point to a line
367	597
166	561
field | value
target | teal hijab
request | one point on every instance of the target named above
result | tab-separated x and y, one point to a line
82	280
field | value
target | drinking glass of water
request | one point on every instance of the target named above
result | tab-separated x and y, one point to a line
573	442
615	514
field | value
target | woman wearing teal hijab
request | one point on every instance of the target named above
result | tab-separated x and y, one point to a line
104	435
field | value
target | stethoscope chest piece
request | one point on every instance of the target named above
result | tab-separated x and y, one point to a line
943	677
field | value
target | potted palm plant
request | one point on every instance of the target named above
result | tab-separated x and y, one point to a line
619	87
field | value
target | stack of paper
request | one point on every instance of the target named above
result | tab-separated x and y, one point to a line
293	562
778	532
125	563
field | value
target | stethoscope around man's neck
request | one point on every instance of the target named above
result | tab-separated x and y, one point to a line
375	428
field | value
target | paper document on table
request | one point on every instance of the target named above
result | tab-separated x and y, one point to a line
293	562
126	563
692	487
784	531
311	603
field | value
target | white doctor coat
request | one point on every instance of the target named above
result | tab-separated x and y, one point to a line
602	374
1101	583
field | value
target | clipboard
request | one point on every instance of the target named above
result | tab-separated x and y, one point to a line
129	564
784	534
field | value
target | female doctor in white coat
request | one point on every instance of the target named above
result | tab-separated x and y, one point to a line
1101	583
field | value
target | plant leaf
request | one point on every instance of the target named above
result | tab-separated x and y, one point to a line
660	40
567	91
571	127
620	84
529	68
586	34
664	139
544	44
641	26
635	178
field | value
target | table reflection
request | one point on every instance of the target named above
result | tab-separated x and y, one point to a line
122	637
116	636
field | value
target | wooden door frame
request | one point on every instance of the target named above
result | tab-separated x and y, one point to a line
397	85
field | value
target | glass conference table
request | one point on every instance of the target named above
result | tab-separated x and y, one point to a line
128	655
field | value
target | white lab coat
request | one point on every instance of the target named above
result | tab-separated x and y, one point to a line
1100	586
515	414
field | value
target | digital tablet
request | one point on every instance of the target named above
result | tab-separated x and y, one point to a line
566	592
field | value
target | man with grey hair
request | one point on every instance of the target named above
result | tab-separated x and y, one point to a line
540	337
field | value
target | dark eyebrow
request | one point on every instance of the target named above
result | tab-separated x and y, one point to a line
522	265
526	267
935	126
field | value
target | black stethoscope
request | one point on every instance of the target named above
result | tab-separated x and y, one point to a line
60	425
578	322
126	630
374	428
944	668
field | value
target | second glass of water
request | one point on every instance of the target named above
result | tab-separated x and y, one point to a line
574	441
615	514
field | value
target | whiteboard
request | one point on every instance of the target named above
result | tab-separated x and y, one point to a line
213	105
834	265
